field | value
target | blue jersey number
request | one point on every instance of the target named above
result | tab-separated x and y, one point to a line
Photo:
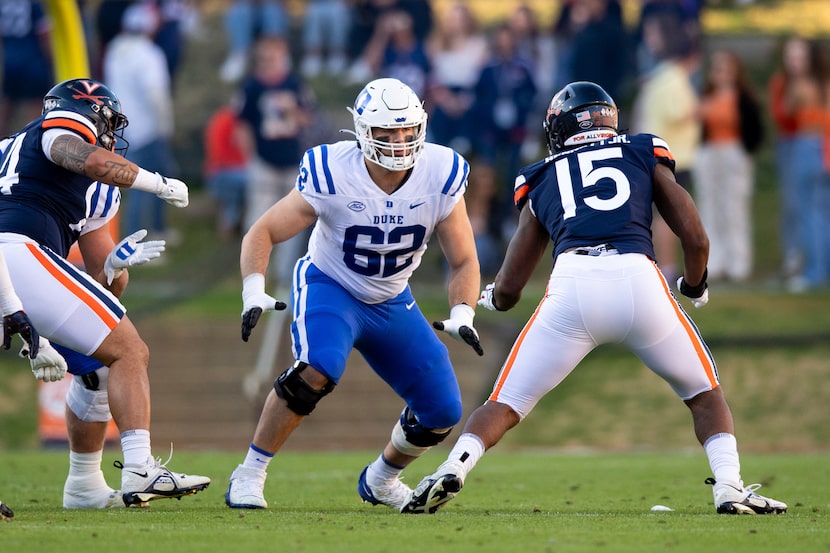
370	262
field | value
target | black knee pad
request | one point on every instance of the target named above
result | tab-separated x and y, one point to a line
300	397
419	435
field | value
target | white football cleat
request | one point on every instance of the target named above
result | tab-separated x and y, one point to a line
395	494
735	499
436	490
140	484
245	490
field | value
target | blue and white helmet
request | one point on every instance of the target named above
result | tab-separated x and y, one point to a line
389	104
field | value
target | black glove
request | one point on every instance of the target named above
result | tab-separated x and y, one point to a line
698	294
19	323
460	326
251	317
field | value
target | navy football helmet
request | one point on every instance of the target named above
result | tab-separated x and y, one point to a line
96	102
580	113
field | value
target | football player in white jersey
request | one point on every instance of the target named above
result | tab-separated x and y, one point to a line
49	173
374	205
592	197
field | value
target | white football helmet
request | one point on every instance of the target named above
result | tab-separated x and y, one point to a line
389	104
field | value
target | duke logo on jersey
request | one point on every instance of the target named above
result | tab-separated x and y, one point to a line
366	239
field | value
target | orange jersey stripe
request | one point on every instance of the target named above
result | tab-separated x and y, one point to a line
520	193
511	357
65	123
695	339
73	287
663	152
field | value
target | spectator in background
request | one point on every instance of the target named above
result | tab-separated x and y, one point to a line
225	169
723	168
600	51
244	21
325	37
107	24
273	111
504	96
27	61
366	26
666	105
136	67
395	51
799	97
538	47
457	50
178	18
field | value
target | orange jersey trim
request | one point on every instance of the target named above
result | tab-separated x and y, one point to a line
514	351
73	287
659	151
65	123
520	193
700	349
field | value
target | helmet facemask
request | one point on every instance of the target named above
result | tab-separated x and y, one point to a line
110	125
389	104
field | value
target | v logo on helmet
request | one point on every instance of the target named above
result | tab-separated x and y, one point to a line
90	87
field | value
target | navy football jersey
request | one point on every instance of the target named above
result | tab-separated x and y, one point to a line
38	198
600	193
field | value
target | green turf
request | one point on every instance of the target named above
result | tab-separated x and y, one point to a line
513	501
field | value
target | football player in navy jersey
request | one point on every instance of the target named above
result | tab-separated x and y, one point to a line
51	177
592	197
374	205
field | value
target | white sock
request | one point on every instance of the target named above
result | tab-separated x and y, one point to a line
135	445
381	471
468	449
722	451
83	465
257	458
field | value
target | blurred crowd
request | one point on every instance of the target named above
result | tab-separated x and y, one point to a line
485	87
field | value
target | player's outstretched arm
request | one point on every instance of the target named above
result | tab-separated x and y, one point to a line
76	155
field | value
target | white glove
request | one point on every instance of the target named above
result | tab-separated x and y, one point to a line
49	365
173	191
254	302
460	326
486	300
698	295
131	251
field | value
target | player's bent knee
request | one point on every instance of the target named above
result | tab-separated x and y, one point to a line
87	396
410	437
300	397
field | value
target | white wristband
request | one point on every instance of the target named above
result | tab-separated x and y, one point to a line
147	181
252	285
463	313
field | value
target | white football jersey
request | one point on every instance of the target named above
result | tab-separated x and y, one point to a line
367	240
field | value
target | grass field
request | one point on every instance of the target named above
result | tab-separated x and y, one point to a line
513	501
